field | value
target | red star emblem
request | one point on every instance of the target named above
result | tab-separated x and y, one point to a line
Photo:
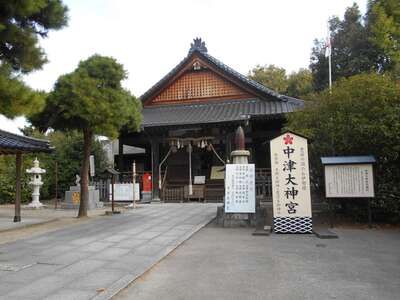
288	139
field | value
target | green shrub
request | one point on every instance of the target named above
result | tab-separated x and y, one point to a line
361	116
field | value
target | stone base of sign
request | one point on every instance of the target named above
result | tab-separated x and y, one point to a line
324	233
72	198
261	217
146	197
262	232
293	225
241	219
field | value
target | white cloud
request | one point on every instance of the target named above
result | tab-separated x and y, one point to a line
12	125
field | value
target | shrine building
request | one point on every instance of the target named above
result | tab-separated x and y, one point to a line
189	120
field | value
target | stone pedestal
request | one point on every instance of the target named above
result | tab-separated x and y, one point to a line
35	199
240	156
146	197
73	198
257	220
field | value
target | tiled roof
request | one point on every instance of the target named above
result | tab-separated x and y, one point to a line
215	112
12	143
261	89
267	101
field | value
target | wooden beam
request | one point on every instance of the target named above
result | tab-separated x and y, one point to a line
120	155
155	161
18	164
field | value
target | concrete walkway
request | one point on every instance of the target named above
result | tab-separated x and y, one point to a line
97	259
230	263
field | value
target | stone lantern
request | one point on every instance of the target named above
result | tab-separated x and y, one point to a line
36	182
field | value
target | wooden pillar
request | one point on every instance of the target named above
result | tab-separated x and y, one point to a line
18	164
155	161
120	155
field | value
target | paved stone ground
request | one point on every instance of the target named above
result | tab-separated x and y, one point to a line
6	223
224	263
30	216
98	258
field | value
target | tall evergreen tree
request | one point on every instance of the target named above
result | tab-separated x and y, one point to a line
296	84
383	21
271	76
22	22
90	99
352	51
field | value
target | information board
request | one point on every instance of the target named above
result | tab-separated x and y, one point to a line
199	179
240	188
349	181
124	192
290	184
217	172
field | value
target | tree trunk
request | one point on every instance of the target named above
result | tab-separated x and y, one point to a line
87	142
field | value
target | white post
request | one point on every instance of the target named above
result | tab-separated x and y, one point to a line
134	183
330	71
190	169
133	204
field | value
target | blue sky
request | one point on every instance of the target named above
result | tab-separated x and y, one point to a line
150	37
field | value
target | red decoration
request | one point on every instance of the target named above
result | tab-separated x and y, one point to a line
288	139
146	182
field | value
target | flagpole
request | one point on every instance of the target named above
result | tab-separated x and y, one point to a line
329	59
330	72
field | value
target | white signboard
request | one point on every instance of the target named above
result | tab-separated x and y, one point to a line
240	188
199	179
290	184
124	192
91	165
349	181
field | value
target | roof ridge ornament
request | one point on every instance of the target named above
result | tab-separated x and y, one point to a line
199	45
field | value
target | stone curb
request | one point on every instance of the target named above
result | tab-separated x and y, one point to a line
23	226
123	282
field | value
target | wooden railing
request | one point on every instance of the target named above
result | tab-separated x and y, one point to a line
172	193
215	192
264	184
175	192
